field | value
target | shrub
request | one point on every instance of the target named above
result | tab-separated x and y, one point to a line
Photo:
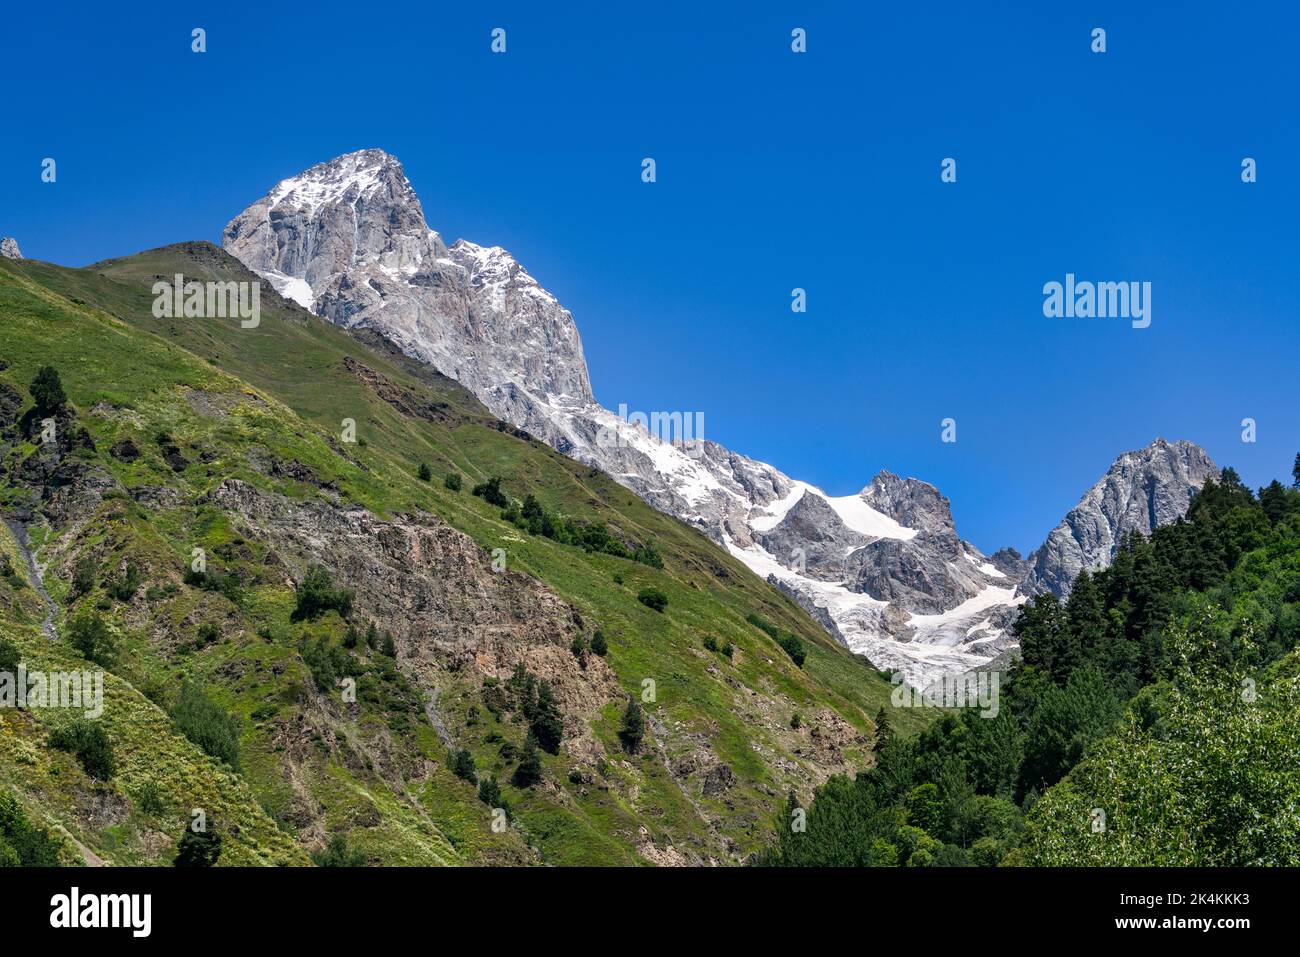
22	844
316	595
452	481
598	644
728	649
794	648
647	554
148	800
337	854
710	643
489	791
424	473
89	634
207	724
88	741
83	576
653	598
123	589
490	492
10	656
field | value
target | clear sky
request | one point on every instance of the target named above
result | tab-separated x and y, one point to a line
775	170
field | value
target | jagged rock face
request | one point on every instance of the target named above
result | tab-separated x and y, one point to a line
910	502
9	248
348	240
1142	490
884	570
814	538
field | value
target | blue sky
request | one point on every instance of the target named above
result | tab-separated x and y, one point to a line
775	171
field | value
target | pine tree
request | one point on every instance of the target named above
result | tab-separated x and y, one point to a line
547	725
462	765
424	472
598	644
1295	472
529	771
198	848
47	390
884	729
633	729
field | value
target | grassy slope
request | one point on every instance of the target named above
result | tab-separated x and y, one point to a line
296	363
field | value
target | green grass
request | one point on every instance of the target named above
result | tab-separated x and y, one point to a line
229	395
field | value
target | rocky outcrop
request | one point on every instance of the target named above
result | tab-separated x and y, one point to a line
435	590
9	248
1144	489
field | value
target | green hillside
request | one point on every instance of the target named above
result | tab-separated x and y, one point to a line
180	434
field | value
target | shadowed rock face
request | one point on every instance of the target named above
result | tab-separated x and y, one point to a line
1144	489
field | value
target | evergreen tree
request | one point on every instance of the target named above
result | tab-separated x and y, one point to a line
529	771
633	729
198	848
547	725
462	765
424	472
47	391
598	644
884	729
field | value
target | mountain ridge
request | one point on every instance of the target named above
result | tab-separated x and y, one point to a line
885	565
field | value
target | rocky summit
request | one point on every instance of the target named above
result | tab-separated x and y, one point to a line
9	248
884	570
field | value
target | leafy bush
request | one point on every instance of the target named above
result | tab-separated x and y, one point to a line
89	743
123	589
490	492
337	854
425	473
22	844
452	481
598	644
653	598
206	724
90	635
316	595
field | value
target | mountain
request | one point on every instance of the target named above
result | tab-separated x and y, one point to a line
884	570
191	433
1141	491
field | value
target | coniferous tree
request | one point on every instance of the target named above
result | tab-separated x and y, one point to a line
529	771
47	391
198	848
633	729
546	723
